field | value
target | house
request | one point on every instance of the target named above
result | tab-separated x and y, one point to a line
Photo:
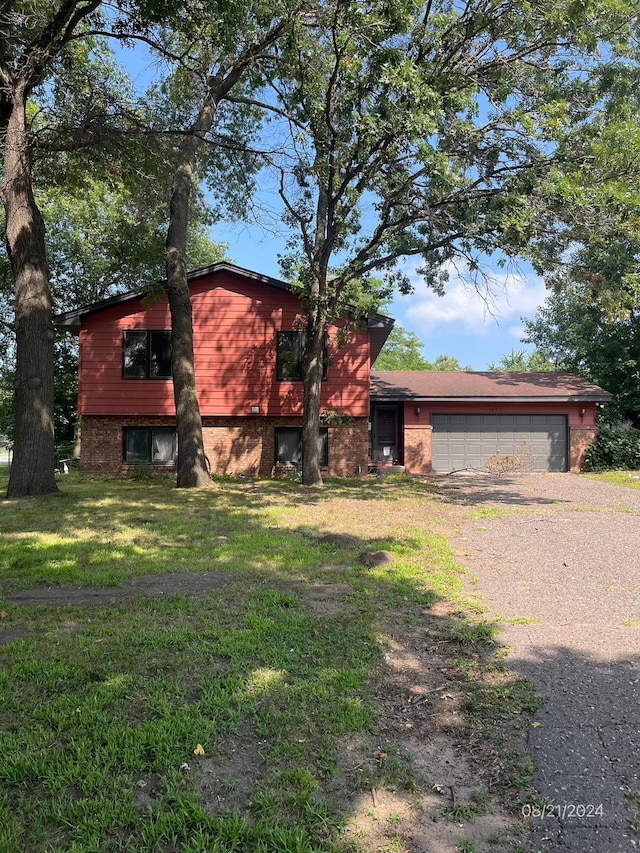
248	346
445	421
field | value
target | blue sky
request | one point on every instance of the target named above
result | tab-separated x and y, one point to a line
476	329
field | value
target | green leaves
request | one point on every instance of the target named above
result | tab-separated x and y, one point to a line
418	133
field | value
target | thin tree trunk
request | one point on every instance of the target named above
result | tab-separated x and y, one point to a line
313	363
32	469
192	462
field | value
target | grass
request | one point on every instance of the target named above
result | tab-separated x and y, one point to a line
212	722
629	479
491	512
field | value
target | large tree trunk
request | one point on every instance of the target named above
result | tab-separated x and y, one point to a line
192	462
313	369
32	469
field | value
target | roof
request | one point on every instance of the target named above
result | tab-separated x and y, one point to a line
499	386
380	326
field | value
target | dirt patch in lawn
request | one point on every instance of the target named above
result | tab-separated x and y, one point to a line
439	788
153	586
226	781
419	783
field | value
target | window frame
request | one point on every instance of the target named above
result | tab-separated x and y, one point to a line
149	430
148	351
300	342
324	434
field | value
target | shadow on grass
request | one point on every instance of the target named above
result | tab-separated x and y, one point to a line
251	715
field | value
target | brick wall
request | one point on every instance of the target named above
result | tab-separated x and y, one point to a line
234	446
349	449
579	439
417	448
246	446
101	443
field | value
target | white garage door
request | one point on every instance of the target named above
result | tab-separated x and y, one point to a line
535	442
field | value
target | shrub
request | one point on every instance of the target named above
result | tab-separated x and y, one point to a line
614	448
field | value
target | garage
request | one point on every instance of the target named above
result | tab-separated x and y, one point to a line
532	442
438	421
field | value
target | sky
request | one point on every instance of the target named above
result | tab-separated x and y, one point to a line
476	329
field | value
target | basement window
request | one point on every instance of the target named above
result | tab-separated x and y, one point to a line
149	445
288	446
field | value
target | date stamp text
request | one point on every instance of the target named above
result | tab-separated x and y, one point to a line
562	811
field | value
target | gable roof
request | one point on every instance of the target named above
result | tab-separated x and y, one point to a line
498	386
379	326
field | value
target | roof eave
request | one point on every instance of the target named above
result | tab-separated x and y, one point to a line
531	398
72	320
380	328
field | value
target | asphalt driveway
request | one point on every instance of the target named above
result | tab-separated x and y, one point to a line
561	567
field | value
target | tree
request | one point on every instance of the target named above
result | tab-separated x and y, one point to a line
48	53
590	320
449	362
521	360
217	48
32	41
420	129
605	349
402	351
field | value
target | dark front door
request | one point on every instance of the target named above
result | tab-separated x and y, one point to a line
384	434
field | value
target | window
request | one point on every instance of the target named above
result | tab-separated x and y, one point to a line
290	356
146	355
149	445
288	446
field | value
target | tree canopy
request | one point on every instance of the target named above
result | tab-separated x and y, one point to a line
521	360
403	351
580	334
591	263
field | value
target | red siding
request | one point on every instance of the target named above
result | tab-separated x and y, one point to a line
235	321
572	410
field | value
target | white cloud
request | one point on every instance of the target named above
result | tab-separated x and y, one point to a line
517	332
504	299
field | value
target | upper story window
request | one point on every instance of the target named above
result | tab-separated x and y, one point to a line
290	356
146	355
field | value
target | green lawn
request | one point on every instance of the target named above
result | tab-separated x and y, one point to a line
630	479
216	721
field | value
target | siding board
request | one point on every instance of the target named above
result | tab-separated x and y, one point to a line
235	321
